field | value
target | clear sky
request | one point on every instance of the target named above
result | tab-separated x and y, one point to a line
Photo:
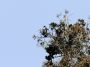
20	19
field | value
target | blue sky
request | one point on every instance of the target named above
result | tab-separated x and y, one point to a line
20	19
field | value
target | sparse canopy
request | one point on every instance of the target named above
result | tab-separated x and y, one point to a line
69	41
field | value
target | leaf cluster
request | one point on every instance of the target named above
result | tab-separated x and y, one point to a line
67	40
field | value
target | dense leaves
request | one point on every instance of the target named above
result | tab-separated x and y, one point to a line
66	40
53	25
52	50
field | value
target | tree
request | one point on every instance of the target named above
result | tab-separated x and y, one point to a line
69	41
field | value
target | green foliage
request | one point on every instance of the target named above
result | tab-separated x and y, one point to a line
53	25
82	53
67	40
